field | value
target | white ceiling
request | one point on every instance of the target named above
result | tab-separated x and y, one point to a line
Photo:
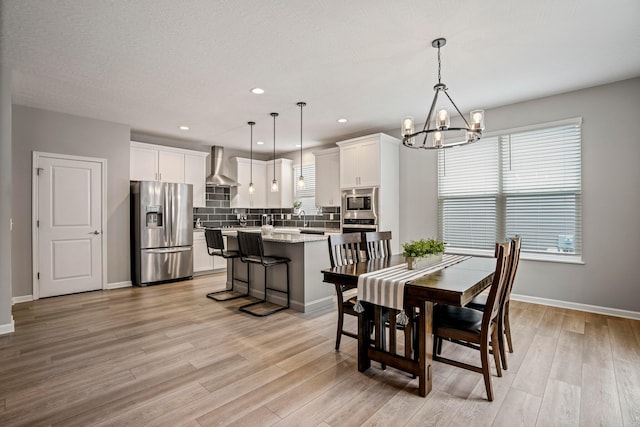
158	64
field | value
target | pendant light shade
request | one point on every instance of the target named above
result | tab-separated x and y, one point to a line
301	177
274	183
251	187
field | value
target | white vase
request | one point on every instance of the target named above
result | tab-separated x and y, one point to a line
418	263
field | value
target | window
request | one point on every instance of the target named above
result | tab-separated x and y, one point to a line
307	195
524	182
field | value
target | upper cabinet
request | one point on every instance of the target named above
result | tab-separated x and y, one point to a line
283	198
195	173
360	162
328	177
240	170
150	162
262	197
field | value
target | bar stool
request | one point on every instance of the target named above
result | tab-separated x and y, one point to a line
215	247
252	252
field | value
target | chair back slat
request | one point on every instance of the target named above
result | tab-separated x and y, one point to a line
514	260
344	249
500	277
250	245
378	244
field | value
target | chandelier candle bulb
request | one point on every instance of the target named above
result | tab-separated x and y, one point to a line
438	139
442	119
477	120
408	128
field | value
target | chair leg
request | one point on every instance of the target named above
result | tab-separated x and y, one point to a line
486	368
501	346
245	308
221	297
495	338
340	324
507	327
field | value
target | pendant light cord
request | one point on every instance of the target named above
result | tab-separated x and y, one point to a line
439	66
251	157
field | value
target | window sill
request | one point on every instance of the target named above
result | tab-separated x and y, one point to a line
576	259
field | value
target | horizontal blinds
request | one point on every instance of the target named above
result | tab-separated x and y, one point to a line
468	222
534	180
544	160
469	170
307	195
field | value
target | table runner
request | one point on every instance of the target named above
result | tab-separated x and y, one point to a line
386	287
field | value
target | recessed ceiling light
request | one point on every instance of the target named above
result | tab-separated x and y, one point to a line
183	127
260	142
342	120
257	91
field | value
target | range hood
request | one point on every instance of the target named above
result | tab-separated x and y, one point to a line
217	178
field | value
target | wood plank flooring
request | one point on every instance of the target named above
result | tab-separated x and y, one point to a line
166	355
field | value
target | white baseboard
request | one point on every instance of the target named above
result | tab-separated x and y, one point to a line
8	328
616	312
23	298
117	285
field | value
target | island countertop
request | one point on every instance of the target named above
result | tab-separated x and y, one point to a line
281	235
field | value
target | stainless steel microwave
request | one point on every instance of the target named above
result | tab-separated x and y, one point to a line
360	203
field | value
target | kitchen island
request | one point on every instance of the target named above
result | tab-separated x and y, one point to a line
309	255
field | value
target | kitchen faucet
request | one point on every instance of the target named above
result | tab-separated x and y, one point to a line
304	217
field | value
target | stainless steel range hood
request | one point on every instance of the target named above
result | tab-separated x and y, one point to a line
217	178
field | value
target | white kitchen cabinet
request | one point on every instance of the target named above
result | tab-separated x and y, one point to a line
202	261
240	170
360	162
143	164
328	177
374	161
195	173
149	162
283	198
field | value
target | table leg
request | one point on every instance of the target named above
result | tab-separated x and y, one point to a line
364	341
425	348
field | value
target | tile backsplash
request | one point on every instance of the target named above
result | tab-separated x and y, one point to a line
218	213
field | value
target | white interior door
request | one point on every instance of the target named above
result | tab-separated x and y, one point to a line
69	225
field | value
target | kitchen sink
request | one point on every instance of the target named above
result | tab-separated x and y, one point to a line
311	231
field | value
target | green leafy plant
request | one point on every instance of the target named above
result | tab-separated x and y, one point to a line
422	247
297	204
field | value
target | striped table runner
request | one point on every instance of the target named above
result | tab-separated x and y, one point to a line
386	287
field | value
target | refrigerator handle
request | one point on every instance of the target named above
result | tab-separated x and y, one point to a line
167	217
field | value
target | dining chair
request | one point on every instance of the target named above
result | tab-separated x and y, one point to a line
480	301
378	244
252	252
215	247
472	327
345	249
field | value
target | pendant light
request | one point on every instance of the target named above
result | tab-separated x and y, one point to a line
301	178
274	183
251	187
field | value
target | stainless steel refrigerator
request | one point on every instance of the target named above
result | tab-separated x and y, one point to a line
161	231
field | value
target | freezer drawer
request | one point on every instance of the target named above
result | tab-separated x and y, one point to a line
158	265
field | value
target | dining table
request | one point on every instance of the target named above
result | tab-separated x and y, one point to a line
455	284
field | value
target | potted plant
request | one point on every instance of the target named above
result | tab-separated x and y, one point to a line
296	207
423	253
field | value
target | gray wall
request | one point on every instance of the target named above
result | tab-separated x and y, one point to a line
48	131
5	191
611	195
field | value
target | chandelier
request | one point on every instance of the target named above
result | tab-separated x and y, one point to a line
437	125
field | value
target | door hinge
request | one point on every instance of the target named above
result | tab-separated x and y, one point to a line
38	170
37	223
38	275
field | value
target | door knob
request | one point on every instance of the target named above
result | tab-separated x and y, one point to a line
95	232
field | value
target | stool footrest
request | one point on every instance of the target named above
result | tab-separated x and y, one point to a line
245	308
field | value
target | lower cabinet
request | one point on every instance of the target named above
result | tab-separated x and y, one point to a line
202	261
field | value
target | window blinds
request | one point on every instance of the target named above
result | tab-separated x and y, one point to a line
525	183
308	194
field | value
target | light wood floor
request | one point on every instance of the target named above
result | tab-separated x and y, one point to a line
167	355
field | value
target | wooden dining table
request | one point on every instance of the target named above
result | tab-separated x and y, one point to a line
455	285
